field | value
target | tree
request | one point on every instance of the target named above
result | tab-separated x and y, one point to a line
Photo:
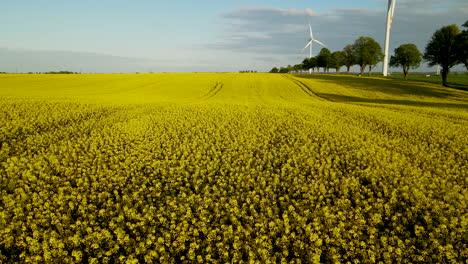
338	59
306	64
298	67
441	50
406	56
283	70
313	63
309	63
274	70
324	59
350	58
367	53
462	45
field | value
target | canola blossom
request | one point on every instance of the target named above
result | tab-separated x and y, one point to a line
230	168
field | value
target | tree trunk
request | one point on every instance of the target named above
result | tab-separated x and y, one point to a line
444	73
363	67
348	68
405	72
370	70
338	69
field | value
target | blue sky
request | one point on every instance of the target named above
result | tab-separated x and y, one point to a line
204	35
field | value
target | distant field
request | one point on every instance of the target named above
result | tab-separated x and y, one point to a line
457	79
237	168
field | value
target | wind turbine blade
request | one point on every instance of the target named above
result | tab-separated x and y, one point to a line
310	30
308	44
319	42
393	7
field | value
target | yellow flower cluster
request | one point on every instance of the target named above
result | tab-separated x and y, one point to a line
263	178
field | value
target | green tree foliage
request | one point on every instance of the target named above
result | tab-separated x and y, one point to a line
274	70
441	50
406	56
284	70
338	59
309	63
313	63
350	58
298	67
462	45
306	64
60	72
324	59
367	53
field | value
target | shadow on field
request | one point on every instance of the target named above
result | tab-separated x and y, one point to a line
459	87
455	80
391	87
353	99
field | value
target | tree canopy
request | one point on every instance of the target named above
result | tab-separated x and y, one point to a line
309	63
324	59
441	50
367	53
298	67
338	59
462	45
350	58
406	56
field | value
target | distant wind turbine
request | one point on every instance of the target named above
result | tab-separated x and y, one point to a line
390	12
309	44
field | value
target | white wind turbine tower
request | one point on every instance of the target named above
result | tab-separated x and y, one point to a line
311	41
390	12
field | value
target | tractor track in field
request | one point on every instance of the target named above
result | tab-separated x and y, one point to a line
306	89
213	90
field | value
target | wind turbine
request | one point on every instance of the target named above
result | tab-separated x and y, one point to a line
309	44
390	12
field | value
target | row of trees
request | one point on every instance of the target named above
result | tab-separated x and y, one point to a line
447	48
290	68
365	52
247	71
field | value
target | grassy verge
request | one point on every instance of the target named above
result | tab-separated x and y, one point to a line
453	79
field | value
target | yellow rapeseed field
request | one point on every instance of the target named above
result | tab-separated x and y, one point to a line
231	168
